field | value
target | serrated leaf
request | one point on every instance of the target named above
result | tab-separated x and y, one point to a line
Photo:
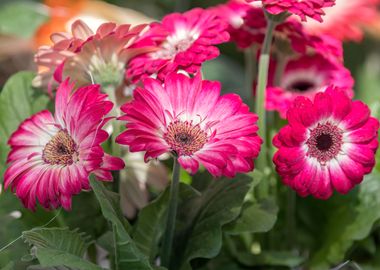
18	101
127	255
201	217
351	224
54	247
255	217
57	238
21	18
52	257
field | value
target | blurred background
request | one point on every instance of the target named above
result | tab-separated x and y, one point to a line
26	25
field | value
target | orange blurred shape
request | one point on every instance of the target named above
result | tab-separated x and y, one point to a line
60	11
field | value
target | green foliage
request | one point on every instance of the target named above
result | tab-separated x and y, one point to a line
127	255
21	19
349	223
255	217
18	101
202	215
59	247
150	226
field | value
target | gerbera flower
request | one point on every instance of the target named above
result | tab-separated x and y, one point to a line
330	143
88	57
346	20
52	156
189	118
185	41
303	8
306	76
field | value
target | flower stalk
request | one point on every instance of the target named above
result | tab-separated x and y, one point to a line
262	161
261	89
171	216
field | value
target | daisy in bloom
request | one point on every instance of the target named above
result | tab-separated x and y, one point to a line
52	157
346	20
184	42
188	118
87	57
303	8
306	76
329	144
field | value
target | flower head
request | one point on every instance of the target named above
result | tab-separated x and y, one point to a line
303	8
330	143
52	156
184	42
87	57
306	76
189	118
346	20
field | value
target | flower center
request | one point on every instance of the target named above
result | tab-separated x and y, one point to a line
301	86
185	138
180	41
60	150
325	142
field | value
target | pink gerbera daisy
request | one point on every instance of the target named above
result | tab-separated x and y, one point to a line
52	156
330	143
306	76
188	118
302	8
87	57
346	19
185	41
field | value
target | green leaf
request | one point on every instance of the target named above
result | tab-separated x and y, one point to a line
59	247
57	238
254	218
52	257
270	258
18	101
9	266
21	18
201	217
150	226
127	255
348	224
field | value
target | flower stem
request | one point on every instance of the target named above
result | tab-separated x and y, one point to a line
171	216
262	161
110	90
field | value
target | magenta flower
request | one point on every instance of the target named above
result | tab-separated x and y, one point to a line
188	118
330	143
306	76
52	157
302	8
185	41
87	57
346	20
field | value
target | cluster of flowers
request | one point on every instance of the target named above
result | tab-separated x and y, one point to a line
329	143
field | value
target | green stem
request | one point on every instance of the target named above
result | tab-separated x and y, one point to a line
171	216
59	218
262	161
110	90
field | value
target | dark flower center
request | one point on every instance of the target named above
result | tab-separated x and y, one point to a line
325	142
302	86
185	138
60	150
